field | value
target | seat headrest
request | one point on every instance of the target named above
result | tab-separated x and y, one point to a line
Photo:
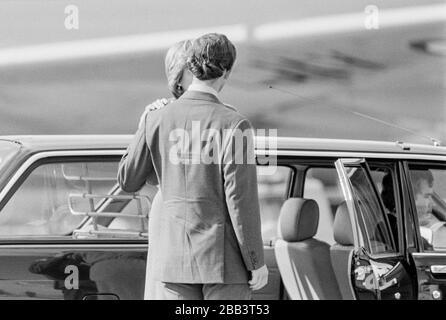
342	227
298	220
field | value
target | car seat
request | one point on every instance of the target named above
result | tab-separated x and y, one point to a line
342	251
304	262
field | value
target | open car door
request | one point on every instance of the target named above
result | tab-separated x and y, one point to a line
378	269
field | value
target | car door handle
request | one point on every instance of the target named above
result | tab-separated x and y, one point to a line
438	269
387	284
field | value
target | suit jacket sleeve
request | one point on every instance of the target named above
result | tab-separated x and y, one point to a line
136	164
240	184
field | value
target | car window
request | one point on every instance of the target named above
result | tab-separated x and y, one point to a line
40	206
384	179
124	216
374	222
273	191
322	185
428	183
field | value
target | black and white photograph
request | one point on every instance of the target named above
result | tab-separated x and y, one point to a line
241	151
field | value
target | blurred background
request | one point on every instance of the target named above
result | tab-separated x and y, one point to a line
309	68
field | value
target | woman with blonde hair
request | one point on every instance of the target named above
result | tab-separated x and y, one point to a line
178	76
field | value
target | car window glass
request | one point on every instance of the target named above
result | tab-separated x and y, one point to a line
374	224
429	194
384	178
322	185
40	205
273	191
126	216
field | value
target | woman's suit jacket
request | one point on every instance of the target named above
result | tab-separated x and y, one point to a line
209	225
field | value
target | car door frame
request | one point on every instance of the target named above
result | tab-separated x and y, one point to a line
425	262
400	268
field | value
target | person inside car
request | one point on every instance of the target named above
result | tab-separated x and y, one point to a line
431	227
388	198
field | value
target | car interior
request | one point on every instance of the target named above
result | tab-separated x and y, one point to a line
315	246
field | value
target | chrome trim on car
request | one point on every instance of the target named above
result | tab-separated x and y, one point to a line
348	154
438	269
349	198
74	246
429	254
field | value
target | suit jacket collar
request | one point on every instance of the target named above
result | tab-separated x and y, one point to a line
199	95
202	87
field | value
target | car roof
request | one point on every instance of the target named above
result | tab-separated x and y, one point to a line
69	142
121	141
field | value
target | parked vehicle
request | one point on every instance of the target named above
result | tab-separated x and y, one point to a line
349	215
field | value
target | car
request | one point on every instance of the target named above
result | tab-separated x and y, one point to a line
341	219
